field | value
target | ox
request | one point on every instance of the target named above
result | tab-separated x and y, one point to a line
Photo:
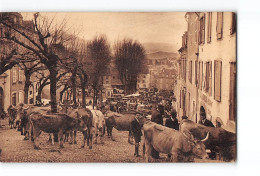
23	113
220	140
53	123
98	124
121	122
87	117
180	146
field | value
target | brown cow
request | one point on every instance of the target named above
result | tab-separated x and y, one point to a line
180	146
121	122
87	117
53	123
220	140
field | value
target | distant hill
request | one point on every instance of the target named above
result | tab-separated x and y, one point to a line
161	55
154	47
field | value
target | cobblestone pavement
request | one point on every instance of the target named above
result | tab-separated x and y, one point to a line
15	149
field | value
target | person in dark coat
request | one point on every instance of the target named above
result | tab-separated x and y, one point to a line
157	115
172	122
203	119
137	133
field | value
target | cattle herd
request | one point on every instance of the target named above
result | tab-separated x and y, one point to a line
189	141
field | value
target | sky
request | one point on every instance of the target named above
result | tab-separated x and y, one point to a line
146	27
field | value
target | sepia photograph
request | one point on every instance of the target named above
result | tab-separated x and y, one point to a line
118	87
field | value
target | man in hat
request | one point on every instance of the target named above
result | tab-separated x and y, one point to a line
172	121
137	132
203	119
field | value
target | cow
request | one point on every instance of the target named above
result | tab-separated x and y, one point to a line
121	122
53	123
98	124
179	146
220	140
87	117
12	115
23	113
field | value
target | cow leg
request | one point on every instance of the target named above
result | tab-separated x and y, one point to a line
90	137
66	137
75	135
174	156
60	137
36	133
148	151
85	134
101	135
70	137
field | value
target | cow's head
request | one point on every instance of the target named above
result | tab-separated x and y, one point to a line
21	111
198	147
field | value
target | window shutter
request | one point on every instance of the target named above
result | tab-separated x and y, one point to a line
203	29
219	25
210	78
217	80
209	26
233	23
201	78
196	74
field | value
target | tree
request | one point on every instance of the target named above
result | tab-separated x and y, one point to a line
129	56
30	64
8	61
42	43
98	51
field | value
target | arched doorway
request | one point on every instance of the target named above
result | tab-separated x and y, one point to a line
1	98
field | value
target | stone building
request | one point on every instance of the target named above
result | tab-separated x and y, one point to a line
208	67
12	81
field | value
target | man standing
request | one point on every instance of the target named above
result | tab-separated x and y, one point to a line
203	119
137	133
172	122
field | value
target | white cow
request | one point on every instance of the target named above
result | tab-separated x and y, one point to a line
98	124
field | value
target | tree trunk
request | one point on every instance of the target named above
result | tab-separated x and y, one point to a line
74	93
62	92
53	83
83	91
94	97
26	87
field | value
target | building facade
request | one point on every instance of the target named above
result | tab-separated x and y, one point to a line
209	72
12	81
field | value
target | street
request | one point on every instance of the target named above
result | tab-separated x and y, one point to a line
15	149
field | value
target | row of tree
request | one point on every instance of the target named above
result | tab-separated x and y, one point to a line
60	59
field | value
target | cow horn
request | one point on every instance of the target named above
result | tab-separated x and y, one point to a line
206	138
25	108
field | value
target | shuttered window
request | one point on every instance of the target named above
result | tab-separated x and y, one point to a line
14	99
209	26
201	75
208	77
202	30
219	25
20	75
190	71
14	75
217	80
196	73
233	27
